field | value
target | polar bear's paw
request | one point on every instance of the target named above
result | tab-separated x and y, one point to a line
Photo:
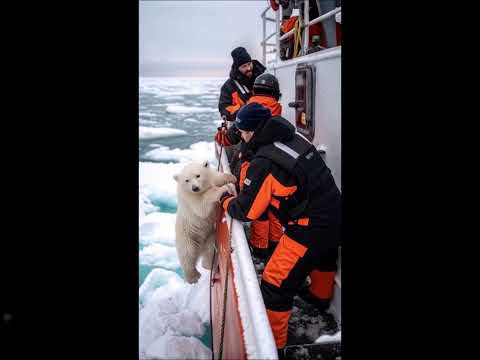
230	178
192	277
207	263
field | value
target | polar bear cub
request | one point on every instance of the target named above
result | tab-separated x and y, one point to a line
199	189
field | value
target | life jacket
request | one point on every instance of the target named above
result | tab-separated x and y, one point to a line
237	90
288	24
243	92
315	183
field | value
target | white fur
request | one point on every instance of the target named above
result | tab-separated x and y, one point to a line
195	224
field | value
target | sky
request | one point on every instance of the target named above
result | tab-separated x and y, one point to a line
195	38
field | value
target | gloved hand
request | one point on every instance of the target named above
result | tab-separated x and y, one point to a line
226	195
221	136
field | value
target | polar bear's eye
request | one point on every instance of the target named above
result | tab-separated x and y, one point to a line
198	176
187	180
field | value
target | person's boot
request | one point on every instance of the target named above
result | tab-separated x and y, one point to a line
305	294
281	353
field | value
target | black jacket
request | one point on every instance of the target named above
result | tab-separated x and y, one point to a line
271	185
232	97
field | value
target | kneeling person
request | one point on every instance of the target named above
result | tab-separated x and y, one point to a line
266	231
288	176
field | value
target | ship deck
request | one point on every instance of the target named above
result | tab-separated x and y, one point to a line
306	324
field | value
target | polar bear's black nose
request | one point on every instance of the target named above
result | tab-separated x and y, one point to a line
195	188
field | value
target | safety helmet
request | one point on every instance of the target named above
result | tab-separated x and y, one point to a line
267	84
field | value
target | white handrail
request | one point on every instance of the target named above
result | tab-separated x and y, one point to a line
265	11
313	22
289	34
325	16
268	37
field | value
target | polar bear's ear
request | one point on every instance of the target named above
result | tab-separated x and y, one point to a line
205	163
175	177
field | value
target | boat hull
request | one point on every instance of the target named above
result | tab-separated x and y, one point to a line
233	346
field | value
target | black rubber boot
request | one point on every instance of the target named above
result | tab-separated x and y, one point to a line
305	294
281	353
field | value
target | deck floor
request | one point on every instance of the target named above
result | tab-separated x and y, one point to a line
306	324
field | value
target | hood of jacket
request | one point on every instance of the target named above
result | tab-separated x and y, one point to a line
268	131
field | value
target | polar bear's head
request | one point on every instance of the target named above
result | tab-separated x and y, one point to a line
194	178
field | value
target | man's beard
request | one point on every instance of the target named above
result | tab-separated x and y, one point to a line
249	74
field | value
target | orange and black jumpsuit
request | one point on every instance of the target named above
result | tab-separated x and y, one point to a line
236	91
266	231
288	176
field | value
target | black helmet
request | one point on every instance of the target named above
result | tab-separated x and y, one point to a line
267	84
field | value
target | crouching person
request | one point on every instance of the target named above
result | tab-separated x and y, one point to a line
288	176
266	231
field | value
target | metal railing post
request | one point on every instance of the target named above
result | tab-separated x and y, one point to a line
264	46
277	31
306	19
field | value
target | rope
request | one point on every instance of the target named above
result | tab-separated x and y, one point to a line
211	269
225	289
225	292
297	36
210	297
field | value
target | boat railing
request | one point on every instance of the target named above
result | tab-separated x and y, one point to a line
306	23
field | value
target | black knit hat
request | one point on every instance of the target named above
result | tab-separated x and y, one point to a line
240	56
251	115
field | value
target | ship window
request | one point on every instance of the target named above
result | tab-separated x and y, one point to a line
305	100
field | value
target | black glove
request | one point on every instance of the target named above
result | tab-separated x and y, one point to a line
226	195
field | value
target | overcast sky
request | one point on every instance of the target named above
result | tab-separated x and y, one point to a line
195	38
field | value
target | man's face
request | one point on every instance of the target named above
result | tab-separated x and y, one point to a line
246	69
246	135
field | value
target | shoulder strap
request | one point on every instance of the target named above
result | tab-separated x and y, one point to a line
242	90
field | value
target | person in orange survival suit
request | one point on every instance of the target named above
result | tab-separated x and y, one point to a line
236	91
266	231
288	176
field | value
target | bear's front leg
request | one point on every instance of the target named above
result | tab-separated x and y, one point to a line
208	252
223	178
230	188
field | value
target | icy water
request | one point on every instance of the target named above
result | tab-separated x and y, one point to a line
178	118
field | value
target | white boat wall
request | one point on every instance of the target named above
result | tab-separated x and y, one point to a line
327	119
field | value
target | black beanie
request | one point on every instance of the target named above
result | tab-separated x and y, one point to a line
251	115
240	56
